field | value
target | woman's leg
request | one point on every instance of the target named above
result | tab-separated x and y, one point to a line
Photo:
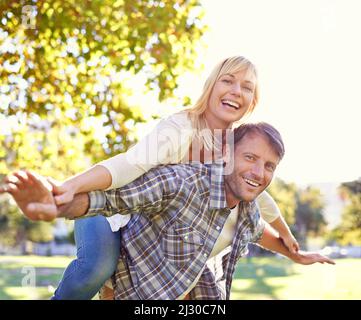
98	250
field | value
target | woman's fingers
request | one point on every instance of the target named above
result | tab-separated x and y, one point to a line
63	198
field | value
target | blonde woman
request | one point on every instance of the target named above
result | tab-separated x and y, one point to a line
230	92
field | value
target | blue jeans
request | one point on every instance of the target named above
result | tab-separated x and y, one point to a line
98	250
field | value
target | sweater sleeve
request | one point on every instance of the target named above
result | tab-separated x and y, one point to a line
167	143
268	207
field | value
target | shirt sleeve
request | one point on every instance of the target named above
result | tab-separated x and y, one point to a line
167	143
268	207
149	193
257	224
258	231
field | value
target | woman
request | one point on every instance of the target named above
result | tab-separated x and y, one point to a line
230	92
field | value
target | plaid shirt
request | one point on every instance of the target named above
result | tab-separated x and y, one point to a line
178	212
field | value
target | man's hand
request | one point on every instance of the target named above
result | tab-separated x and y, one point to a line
307	258
33	195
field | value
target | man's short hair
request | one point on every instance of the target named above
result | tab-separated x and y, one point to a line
264	129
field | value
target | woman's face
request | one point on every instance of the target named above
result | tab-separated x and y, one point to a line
231	97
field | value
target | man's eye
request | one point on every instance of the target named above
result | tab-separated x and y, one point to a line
270	168
248	157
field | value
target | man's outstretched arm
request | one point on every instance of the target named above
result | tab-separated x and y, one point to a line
148	194
33	195
272	242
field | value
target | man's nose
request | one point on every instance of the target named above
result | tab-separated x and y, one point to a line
258	171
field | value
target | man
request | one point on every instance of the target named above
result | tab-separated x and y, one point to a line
190	224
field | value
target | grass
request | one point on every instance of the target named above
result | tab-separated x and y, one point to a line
255	278
280	279
30	277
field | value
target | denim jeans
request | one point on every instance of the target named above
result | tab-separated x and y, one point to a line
98	250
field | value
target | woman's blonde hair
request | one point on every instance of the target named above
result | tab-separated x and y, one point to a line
230	65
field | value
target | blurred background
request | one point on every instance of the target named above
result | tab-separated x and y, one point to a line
82	80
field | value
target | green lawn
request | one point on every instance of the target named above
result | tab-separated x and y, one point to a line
15	271
279	278
255	278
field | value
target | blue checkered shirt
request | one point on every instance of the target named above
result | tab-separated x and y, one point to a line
178	212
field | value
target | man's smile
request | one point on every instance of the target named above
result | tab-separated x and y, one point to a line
251	182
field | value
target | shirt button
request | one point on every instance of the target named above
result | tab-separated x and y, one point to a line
185	237
188	281
218	228
205	255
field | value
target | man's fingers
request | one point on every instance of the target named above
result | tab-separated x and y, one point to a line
22	176
32	176
45	212
23	180
11	179
39	180
330	261
3	188
9	188
323	259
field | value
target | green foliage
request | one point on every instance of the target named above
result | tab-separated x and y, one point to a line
64	69
285	196
40	232
309	211
349	230
14	228
64	72
302	209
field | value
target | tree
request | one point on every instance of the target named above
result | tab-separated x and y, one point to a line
302	209
64	67
349	230
285	196
310	220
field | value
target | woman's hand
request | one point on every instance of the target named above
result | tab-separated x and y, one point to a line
63	192
290	242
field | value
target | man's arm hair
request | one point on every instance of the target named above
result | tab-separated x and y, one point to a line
77	208
271	241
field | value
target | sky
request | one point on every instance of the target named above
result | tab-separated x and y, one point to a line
308	56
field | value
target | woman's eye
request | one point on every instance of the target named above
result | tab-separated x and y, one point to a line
248	89
227	81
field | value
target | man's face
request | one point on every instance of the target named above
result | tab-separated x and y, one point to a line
254	164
